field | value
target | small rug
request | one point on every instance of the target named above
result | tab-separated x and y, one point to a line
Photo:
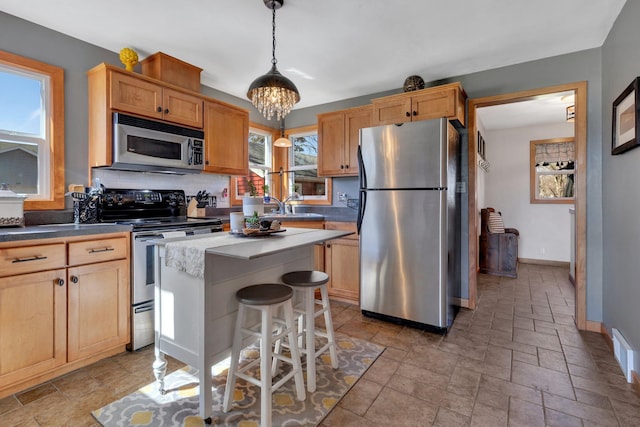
179	406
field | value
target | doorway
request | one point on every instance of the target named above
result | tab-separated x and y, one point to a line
580	133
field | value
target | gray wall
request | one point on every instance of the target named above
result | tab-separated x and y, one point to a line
76	57
621	194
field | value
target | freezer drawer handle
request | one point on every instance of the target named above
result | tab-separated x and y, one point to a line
107	249
33	258
143	309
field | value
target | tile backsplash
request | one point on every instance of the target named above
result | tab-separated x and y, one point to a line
191	184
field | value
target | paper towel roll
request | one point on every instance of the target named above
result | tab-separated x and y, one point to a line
236	221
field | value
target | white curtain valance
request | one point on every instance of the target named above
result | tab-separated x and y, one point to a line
555	152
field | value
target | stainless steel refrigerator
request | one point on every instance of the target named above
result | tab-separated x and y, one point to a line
408	222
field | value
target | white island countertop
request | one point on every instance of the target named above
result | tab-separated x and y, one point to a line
188	253
267	245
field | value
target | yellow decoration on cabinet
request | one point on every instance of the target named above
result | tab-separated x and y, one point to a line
129	58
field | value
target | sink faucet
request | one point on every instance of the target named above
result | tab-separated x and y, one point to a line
282	205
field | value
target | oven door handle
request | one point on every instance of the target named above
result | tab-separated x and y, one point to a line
147	238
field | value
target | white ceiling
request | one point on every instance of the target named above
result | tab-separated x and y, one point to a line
332	49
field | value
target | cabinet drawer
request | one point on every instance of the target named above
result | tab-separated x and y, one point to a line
29	259
91	251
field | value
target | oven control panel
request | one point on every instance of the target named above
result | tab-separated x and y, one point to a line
123	199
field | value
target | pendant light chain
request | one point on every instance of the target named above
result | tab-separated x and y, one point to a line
273	94
273	34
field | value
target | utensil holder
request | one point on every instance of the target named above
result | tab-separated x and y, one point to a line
86	208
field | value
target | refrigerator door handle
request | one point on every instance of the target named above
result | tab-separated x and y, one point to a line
362	203
361	171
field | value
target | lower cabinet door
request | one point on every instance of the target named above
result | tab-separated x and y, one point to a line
98	308
341	260
33	324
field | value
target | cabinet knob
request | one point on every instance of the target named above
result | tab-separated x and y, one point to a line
341	166
346	166
415	113
59	282
159	109
408	114
166	111
74	279
329	245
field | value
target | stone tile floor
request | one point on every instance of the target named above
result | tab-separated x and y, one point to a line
516	360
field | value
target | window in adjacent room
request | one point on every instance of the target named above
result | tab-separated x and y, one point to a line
552	170
303	167
260	163
32	130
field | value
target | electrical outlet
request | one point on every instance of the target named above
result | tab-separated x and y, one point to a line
342	197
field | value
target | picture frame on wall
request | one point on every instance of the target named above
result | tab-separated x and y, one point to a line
480	142
626	120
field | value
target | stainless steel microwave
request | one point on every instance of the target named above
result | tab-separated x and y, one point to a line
147	145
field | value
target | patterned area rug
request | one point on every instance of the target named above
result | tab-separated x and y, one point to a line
179	406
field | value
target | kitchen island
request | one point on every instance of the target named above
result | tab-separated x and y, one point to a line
196	281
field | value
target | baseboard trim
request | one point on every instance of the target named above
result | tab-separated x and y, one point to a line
607	337
592	326
635	383
543	262
460	302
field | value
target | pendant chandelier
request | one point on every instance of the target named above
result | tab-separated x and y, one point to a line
273	94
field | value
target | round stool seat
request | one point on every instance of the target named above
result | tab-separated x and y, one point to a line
305	278
267	294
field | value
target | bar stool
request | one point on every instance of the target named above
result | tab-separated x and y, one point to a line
266	298
307	282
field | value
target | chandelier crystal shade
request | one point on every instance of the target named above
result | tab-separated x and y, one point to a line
273	94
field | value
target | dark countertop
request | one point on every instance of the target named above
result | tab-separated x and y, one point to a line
11	234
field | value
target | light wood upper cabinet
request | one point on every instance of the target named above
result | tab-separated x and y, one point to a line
133	95
439	101
226	134
112	89
182	108
338	138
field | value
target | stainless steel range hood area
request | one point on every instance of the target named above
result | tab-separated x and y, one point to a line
132	167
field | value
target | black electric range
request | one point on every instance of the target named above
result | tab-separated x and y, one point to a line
150	209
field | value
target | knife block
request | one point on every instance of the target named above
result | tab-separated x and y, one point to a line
193	211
